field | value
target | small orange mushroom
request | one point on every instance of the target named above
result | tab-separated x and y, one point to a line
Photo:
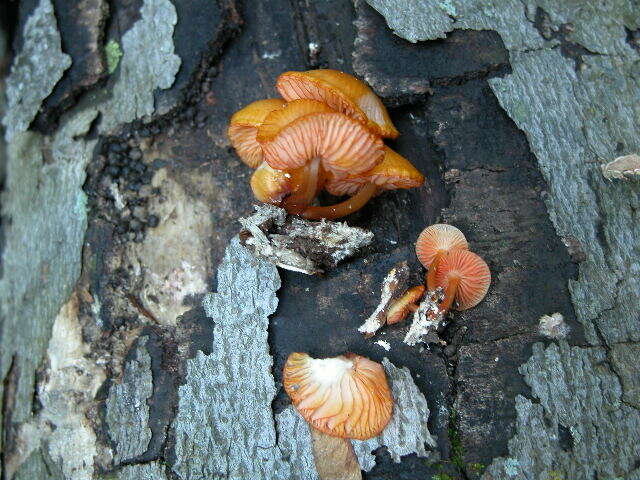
243	128
346	396
270	185
307	138
393	172
342	92
433	244
465	278
405	304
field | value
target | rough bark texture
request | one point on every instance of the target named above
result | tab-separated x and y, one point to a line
120	196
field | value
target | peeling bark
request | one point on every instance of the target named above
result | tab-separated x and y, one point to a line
394	285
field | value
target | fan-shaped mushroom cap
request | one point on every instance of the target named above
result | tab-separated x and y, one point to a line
392	173
346	396
341	92
473	274
243	128
306	129
270	185
439	237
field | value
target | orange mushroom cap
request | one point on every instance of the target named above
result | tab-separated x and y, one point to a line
438	238
473	274
400	308
346	396
306	129
342	92
270	185
243	128
276	120
392	173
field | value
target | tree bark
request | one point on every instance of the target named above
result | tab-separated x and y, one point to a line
120	199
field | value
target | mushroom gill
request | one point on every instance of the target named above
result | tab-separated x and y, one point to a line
342	92
465	278
346	396
327	130
392	173
433	243
307	139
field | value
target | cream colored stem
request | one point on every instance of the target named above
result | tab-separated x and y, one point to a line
334	457
338	210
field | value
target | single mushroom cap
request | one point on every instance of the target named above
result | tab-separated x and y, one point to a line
270	185
401	307
307	130
392	173
243	128
346	396
342	92
469	275
438	238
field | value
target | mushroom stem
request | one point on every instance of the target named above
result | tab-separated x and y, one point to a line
431	275
450	294
341	209
306	181
334	457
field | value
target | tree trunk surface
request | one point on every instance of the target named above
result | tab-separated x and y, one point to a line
140	340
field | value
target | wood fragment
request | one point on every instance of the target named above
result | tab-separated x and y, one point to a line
300	245
393	287
622	168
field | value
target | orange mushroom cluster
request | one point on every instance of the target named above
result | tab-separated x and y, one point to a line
326	133
456	277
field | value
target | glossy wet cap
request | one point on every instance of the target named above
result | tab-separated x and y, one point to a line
243	128
270	185
342	92
308	129
346	396
439	237
473	273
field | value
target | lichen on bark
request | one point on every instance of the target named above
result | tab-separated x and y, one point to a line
35	71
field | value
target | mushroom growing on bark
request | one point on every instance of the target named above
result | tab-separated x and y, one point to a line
465	278
392	173
327	129
346	397
433	243
455	275
405	304
342	92
307	139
